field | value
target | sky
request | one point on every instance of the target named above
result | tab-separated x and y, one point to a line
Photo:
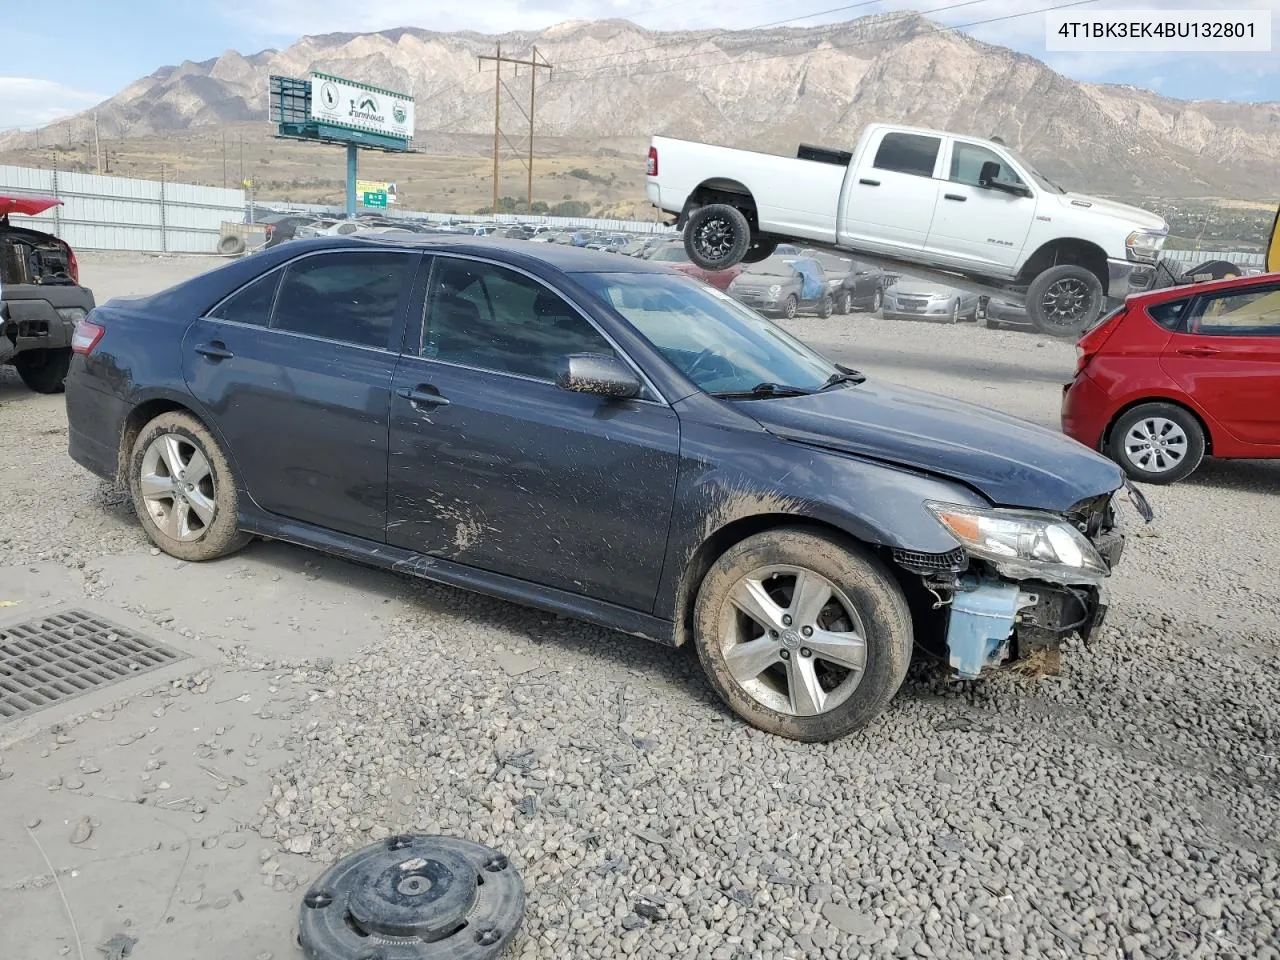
96	51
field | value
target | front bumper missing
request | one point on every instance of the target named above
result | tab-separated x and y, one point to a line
993	621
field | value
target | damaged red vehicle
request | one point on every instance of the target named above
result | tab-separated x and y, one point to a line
41	299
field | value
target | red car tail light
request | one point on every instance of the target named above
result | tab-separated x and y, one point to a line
1091	342
73	267
651	169
86	336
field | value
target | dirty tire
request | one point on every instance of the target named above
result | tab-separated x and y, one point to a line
877	301
825	307
231	245
790	308
844	303
760	249
870	588
1068	279
1157	415
44	371
222	536
717	236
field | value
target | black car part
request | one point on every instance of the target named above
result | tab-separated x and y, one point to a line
413	898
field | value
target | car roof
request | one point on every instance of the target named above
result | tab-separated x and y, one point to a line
561	257
1193	289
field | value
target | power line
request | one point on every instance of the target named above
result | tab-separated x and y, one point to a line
676	43
588	74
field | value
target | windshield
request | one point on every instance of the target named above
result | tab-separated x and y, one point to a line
720	345
672	254
1036	175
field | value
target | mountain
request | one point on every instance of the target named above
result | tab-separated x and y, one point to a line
766	89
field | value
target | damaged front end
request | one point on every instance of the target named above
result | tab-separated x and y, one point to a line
1021	582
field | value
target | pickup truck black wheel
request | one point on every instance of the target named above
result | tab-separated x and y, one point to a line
717	236
183	490
790	308
44	371
1064	300
803	635
760	249
826	307
1157	443
844	302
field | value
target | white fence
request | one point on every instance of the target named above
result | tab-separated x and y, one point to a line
117	213
1190	258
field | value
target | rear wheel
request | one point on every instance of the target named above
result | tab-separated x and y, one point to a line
183	490
877	301
44	371
803	635
760	249
1064	300
1157	443
717	236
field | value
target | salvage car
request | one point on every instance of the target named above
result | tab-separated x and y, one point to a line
927	198
854	285
783	286
672	255
604	438
1180	374
41	298
910	299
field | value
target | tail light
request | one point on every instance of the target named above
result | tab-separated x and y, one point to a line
86	336
73	268
652	167
1089	344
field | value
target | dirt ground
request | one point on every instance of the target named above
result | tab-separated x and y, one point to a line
1127	808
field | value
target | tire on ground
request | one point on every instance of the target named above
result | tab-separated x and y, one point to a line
844	302
870	589
1077	325
231	245
44	371
825	307
222	536
724	223
790	307
1166	411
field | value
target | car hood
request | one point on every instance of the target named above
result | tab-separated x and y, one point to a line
1011	462
1139	218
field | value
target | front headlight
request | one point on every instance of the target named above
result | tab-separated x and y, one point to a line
1019	537
775	290
1145	244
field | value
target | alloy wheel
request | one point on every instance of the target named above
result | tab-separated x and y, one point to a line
792	640
714	238
1066	301
178	487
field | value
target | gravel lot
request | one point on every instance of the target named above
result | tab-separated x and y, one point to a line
1126	808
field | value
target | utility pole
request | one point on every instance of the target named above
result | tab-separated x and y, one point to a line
537	62
97	144
224	159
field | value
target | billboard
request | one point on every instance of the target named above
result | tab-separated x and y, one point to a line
387	189
358	106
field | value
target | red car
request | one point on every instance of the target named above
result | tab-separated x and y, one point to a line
673	255
1181	373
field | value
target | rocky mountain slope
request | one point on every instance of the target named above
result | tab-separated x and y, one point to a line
765	89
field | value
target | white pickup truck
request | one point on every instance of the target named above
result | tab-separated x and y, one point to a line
971	208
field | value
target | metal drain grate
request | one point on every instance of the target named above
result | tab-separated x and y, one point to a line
68	654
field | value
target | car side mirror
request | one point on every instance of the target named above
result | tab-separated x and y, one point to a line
989	179
599	374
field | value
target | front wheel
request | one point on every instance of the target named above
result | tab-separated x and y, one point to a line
44	371
844	302
790	308
717	236
183	490
1064	300
803	635
1157	443
877	301
825	307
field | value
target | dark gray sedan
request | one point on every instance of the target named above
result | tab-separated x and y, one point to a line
601	437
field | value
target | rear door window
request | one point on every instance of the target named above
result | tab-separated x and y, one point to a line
912	153
1254	312
350	296
251	304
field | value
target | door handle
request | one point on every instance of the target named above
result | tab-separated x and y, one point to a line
869	183
956	196
1198	351
423	395
214	351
